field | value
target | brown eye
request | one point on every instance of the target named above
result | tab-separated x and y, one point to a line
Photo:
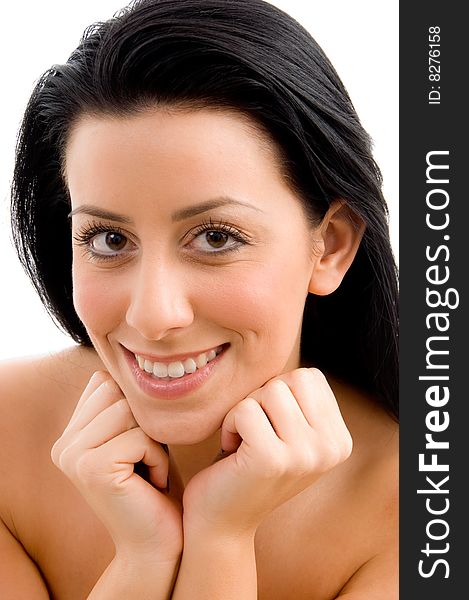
115	241
216	239
109	242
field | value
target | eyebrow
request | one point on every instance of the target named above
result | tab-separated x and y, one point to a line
94	211
191	211
179	215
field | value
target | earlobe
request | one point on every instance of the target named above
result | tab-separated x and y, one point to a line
340	234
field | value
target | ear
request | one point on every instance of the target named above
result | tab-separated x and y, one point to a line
337	240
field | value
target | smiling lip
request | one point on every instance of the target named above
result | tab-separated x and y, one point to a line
174	357
171	388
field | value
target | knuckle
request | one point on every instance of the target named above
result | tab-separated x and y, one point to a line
303	378
276	387
112	385
94	474
332	457
273	392
141	439
313	372
321	454
316	377
339	450
56	451
66	459
276	383
310	376
248	405
302	374
306	373
86	466
347	446
108	388
63	453
99	377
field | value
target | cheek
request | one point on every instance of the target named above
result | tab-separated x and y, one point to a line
266	301
97	301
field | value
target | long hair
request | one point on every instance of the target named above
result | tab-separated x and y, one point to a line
244	55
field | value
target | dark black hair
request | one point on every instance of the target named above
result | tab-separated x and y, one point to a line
245	55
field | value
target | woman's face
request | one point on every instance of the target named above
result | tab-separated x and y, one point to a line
191	260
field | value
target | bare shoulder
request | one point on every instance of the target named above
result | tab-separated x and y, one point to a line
62	367
371	494
36	384
37	397
373	467
46	522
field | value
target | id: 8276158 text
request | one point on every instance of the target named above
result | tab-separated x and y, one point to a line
434	66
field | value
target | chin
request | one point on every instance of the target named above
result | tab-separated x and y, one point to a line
183	439
179	429
180	438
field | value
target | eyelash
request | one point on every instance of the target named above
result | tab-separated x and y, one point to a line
221	227
85	236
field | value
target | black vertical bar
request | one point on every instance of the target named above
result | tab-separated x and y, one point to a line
434	269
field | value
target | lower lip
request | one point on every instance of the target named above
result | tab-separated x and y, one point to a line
171	388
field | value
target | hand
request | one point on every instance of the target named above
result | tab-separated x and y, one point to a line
97	451
282	438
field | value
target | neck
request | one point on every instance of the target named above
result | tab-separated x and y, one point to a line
187	460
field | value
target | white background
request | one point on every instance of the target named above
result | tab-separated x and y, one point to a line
360	38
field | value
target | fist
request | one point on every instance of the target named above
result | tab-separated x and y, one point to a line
98	451
279	440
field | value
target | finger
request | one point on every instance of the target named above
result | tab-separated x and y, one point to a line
96	380
101	398
248	421
314	396
132	447
109	423
283	411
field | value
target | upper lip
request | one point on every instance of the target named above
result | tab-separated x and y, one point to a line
172	357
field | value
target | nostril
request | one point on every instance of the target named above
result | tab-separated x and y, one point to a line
155	319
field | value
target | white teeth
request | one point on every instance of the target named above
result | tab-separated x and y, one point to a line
177	368
190	365
160	370
201	360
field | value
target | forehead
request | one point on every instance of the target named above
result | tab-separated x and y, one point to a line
172	133
177	155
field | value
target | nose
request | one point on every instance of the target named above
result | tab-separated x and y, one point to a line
159	301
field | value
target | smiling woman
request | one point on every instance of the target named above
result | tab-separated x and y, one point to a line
196	203
190	269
